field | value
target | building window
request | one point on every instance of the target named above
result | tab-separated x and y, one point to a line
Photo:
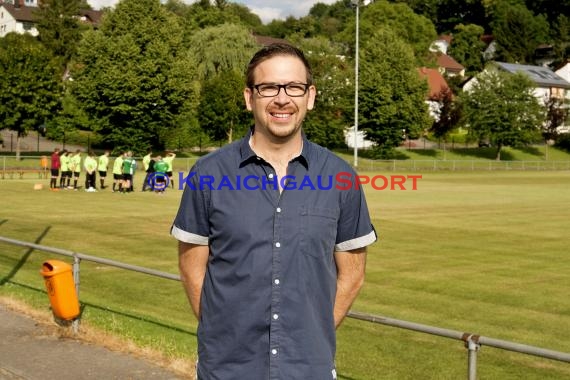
28	26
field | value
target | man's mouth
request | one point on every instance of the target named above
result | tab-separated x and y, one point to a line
279	115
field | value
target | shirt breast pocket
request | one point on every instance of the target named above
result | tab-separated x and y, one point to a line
318	231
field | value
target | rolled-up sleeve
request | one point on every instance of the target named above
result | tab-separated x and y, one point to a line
191	223
355	229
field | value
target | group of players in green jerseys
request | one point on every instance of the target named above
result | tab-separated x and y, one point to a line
158	171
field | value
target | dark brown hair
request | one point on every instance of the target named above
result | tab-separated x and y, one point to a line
273	50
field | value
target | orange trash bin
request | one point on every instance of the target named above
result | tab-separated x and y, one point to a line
58	277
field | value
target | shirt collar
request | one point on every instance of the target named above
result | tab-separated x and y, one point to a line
247	154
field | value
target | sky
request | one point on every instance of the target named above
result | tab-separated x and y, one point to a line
267	10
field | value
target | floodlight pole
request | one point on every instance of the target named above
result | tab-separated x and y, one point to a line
356	3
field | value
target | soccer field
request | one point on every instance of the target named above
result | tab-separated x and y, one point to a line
484	252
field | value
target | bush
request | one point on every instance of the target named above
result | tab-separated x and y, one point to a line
382	153
563	142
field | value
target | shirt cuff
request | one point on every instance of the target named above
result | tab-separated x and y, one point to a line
188	237
359	242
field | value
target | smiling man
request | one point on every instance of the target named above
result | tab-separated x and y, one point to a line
270	273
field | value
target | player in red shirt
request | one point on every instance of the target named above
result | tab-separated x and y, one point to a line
55	165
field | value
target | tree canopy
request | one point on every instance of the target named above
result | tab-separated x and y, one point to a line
396	109
222	53
59	28
29	87
467	47
133	76
502	108
415	30
220	48
156	74
517	32
334	107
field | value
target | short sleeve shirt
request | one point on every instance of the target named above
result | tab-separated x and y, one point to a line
75	163
118	165
103	163
64	162
168	160
146	162
55	162
90	164
268	295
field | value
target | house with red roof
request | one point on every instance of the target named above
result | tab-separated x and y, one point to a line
449	66
437	88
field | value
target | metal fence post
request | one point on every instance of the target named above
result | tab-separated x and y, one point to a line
76	262
472	344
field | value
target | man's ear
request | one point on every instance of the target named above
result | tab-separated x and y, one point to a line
248	96
311	98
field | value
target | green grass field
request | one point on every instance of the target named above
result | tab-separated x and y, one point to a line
484	252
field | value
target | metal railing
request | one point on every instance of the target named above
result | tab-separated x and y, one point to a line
473	342
460	165
32	166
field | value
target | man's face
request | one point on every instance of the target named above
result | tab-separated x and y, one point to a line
280	116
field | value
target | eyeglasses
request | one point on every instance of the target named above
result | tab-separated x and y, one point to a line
268	90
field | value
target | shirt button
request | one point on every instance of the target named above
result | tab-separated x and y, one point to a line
278	209
275	316
276	281
278	244
270	175
274	351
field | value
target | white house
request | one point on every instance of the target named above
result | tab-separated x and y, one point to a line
548	83
17	16
564	72
441	44
361	141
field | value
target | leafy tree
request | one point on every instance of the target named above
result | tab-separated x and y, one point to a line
291	26
448	114
223	114
333	77
276	29
222	48
59	28
453	12
561	35
550	8
556	116
132	76
69	119
201	15
425	8
222	54
221	3
328	20
415	30
467	47
29	89
244	15
392	95
501	107
517	32
563	142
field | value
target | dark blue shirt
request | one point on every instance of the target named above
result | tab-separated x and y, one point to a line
268	295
